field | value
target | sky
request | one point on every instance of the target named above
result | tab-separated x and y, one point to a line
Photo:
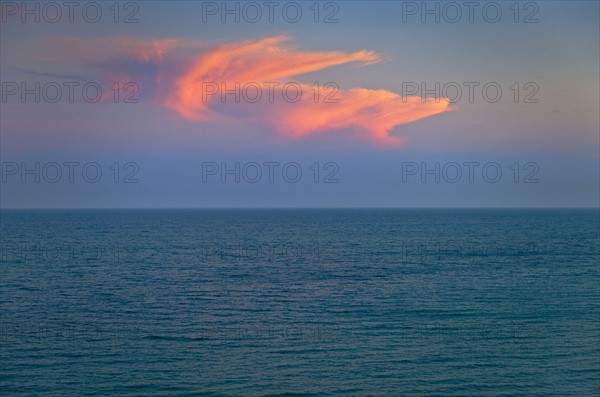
182	104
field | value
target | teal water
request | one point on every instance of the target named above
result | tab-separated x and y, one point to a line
300	302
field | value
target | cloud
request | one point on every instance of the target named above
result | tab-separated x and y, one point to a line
257	81
100	50
372	112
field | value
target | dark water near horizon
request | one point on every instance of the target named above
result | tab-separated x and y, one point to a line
300	302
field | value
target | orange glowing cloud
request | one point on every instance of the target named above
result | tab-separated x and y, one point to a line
373	112
194	85
270	61
262	61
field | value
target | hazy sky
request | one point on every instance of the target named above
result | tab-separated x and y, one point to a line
379	121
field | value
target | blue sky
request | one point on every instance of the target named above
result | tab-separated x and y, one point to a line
547	151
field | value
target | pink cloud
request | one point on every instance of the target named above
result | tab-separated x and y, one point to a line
181	83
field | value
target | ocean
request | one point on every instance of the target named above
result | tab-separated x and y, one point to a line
313	302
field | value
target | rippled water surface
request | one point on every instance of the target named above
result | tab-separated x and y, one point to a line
300	302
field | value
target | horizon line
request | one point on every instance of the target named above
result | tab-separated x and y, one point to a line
292	208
